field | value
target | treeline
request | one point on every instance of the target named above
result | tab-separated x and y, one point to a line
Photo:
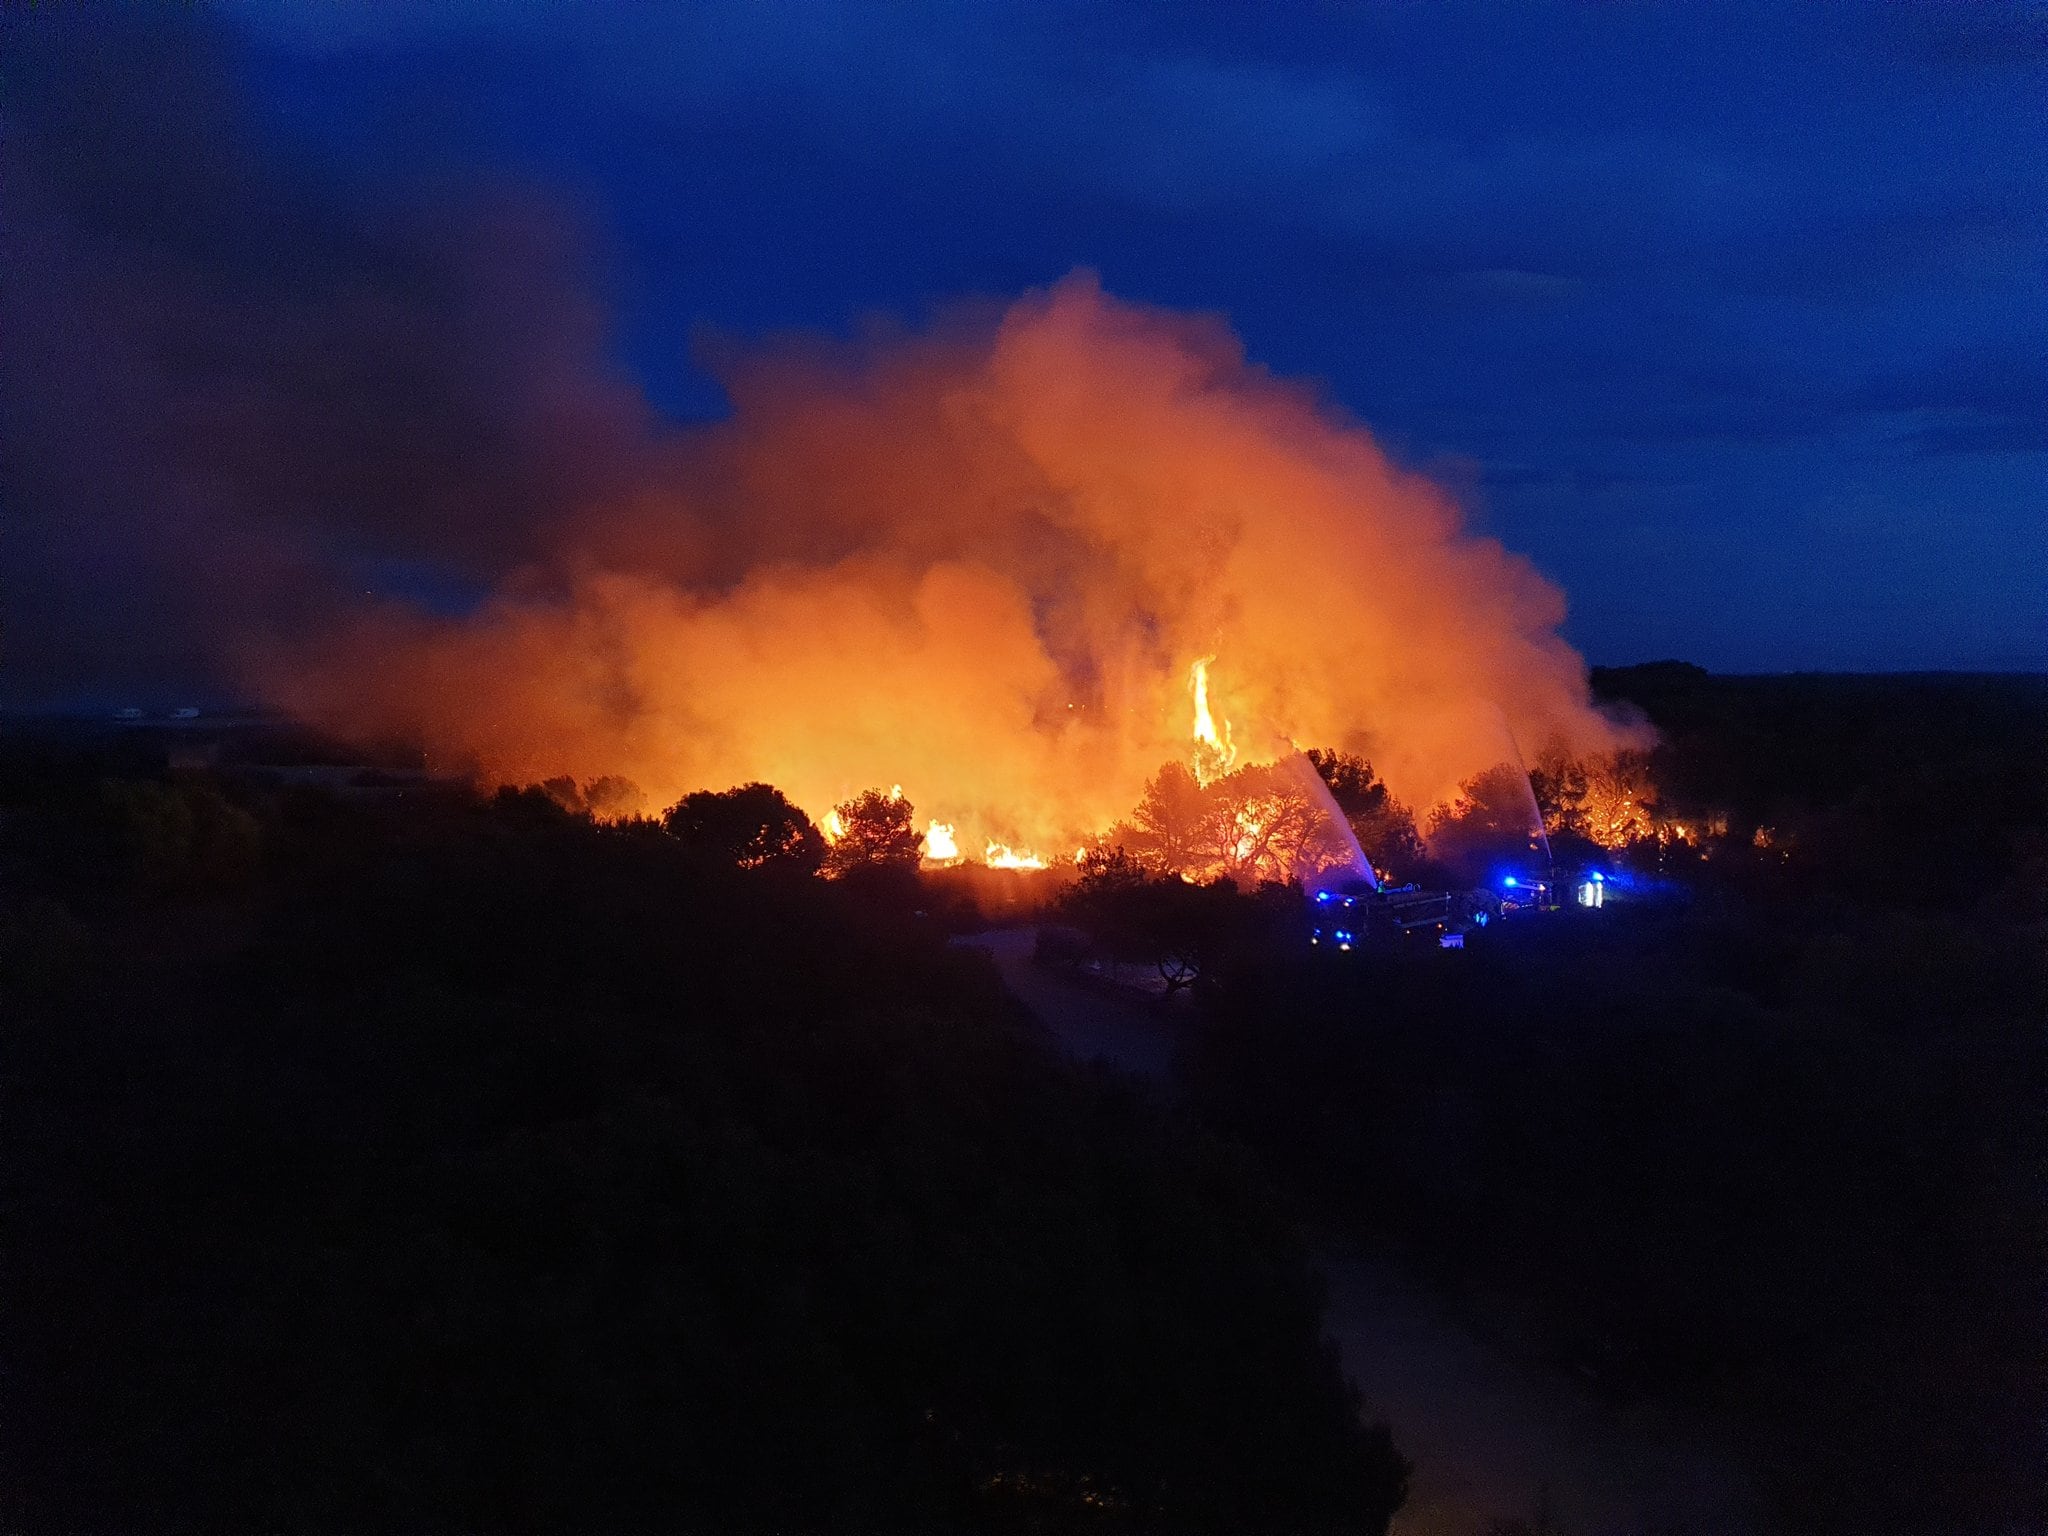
432	1163
1923	791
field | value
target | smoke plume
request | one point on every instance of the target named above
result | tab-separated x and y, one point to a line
978	562
982	565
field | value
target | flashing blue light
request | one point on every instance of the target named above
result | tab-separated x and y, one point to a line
1598	876
1324	895
1511	880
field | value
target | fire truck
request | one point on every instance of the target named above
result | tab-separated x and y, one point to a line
1353	914
1347	916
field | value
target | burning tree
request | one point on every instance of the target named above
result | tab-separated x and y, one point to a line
1251	824
1266	827
1214	818
1610	800
1621	800
873	830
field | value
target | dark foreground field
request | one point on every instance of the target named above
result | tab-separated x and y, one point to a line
409	1161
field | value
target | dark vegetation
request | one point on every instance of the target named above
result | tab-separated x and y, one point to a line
1766	1141
407	1162
751	827
1128	914
1924	792
404	1161
1788	1176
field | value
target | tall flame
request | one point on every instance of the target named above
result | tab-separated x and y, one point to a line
939	844
1214	751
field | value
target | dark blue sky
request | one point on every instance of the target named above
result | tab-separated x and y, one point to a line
1736	320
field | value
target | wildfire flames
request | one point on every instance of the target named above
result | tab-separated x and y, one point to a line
998	564
1001	856
942	847
1214	754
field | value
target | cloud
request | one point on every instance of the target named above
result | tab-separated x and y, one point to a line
1982	401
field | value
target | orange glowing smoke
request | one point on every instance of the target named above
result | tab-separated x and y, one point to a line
992	565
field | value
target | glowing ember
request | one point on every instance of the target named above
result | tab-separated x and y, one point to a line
1619	806
1002	856
1249	828
939	846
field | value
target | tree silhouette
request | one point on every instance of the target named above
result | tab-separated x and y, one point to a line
1159	920
610	798
1385	828
1559	782
876	831
1170	830
1493	817
751	827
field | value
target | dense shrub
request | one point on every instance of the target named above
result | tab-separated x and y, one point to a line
1786	1172
501	1171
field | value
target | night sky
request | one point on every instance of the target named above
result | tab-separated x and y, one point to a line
1733	319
